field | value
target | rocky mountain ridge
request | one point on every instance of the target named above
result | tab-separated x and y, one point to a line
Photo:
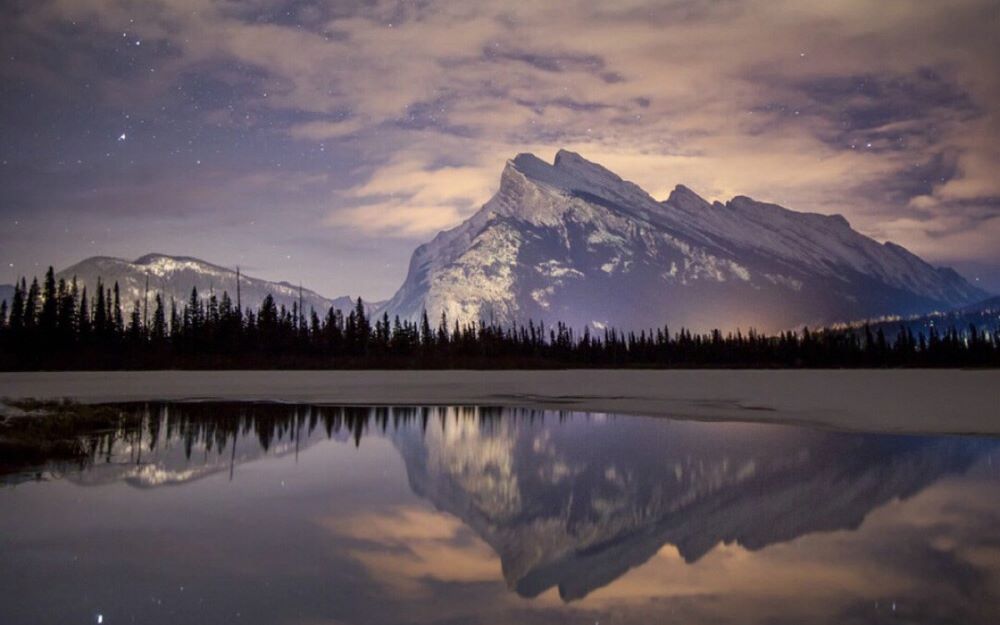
571	241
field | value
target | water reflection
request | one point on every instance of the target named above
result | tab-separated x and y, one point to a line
577	507
584	515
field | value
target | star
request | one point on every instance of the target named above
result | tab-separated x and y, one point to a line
122	137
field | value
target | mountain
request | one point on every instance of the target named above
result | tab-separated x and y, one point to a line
572	241
576	504
174	277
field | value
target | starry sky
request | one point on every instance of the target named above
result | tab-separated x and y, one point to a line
322	140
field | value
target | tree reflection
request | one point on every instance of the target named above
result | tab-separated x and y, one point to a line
73	437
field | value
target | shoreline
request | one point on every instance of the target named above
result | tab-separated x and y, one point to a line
910	401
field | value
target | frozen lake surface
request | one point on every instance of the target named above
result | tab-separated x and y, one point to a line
234	512
890	400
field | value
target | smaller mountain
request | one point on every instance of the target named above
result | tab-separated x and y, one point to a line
174	276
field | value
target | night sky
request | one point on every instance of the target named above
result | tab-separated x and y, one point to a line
321	141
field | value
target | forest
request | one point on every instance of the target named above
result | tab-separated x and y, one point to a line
54	325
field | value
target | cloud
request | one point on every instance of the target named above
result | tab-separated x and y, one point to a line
412	196
321	130
409	547
888	117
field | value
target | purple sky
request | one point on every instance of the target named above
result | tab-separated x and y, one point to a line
321	141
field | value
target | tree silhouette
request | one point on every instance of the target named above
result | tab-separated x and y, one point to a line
58	326
50	305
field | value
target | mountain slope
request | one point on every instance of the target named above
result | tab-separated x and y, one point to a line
984	316
572	241
174	277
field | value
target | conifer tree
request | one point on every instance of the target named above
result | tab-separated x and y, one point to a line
135	329
426	338
119	321
83	324
267	321
442	331
175	319
192	313
159	332
212	315
100	312
16	322
67	309
364	328
50	303
31	306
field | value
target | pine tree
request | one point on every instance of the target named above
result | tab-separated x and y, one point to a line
426	338
100	313
135	330
192	313
67	309
212	317
362	327
16	322
225	307
159	332
31	306
315	327
175	319
267	322
50	306
119	321
442	331
83	324
109	314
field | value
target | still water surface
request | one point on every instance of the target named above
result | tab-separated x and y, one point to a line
272	513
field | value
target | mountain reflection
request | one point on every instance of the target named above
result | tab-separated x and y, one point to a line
565	501
576	507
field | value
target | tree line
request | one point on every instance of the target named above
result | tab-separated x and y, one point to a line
57	324
79	435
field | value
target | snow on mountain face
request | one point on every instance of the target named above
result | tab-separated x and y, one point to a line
175	276
573	242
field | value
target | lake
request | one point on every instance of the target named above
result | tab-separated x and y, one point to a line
300	514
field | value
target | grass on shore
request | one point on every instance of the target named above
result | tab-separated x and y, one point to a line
35	432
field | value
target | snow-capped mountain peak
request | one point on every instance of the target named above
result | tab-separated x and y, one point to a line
574	175
573	241
173	277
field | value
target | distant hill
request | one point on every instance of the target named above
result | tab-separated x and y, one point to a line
175	276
